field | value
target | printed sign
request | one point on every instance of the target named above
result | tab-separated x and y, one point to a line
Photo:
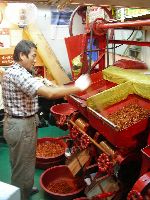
6	60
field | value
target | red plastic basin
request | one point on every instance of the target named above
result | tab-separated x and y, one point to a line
57	157
61	112
46	165
56	173
62	109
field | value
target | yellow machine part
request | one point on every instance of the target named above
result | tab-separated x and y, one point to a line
47	55
119	75
111	96
140	79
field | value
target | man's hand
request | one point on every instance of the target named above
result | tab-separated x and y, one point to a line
83	82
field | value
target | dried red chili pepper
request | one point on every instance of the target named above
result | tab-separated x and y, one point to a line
49	149
128	115
61	187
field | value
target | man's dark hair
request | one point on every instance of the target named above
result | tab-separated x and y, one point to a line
24	46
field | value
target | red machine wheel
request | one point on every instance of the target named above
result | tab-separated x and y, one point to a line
85	141
74	149
101	20
134	195
81	10
74	133
104	163
101	31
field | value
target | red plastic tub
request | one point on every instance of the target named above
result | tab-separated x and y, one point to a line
48	164
60	173
61	111
119	138
55	157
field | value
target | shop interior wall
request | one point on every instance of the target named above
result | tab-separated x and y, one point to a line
146	50
55	34
122	52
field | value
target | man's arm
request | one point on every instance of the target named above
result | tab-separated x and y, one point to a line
82	83
57	92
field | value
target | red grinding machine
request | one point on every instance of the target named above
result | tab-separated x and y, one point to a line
117	134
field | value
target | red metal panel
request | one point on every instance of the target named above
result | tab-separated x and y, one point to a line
145	160
119	138
102	45
75	46
79	101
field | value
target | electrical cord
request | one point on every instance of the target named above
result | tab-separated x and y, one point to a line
122	44
110	47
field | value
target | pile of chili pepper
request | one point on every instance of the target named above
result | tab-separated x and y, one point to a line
128	115
49	149
60	187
